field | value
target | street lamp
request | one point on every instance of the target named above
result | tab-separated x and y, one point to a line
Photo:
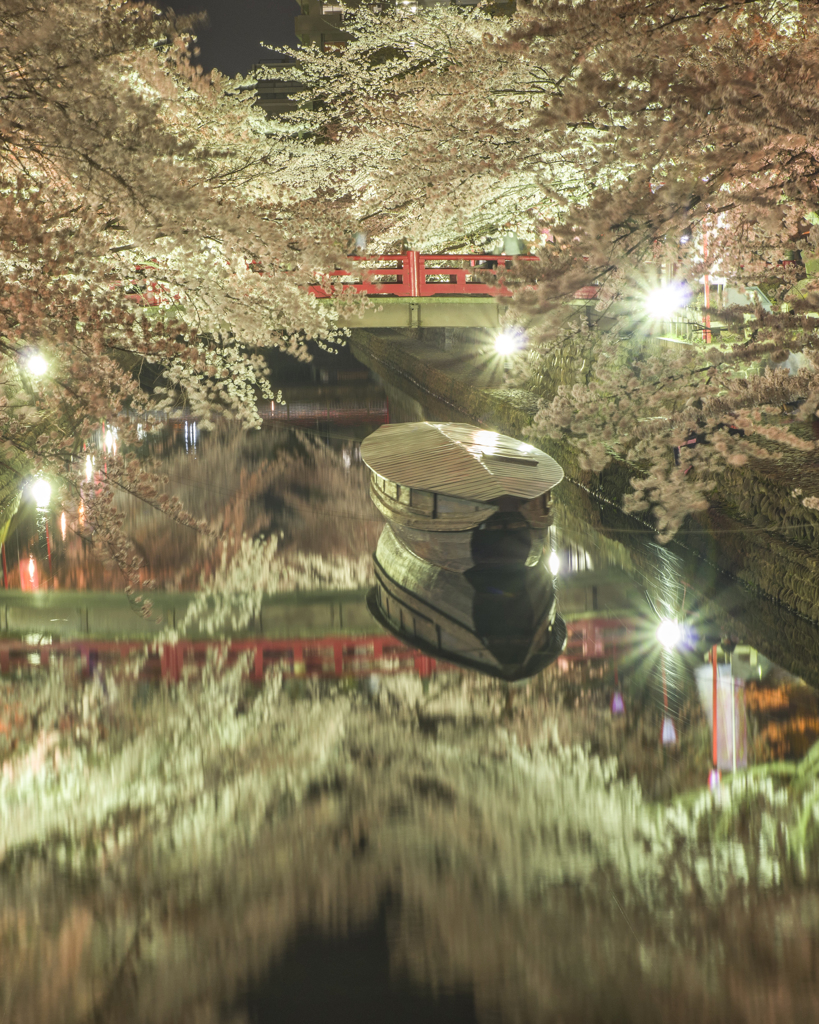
669	633
37	364
41	492
509	341
663	303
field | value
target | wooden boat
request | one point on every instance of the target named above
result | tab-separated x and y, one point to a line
460	496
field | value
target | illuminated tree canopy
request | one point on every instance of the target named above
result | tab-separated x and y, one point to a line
626	143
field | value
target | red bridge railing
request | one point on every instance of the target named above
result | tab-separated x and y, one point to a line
415	275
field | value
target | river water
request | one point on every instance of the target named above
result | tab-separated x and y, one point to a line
256	803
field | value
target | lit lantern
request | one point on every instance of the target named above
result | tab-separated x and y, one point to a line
618	705
669	732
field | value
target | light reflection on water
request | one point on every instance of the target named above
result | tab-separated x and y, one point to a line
255	803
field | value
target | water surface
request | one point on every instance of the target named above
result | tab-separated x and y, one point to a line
256	803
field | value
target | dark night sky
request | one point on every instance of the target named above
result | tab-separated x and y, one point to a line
231	39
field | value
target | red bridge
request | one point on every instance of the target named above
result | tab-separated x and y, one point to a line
416	275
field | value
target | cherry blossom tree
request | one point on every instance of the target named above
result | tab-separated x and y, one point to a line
156	233
631	144
427	117
154	239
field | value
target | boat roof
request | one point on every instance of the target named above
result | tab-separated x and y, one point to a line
459	460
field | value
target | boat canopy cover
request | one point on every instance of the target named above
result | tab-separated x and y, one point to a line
459	460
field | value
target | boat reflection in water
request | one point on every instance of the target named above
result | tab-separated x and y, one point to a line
459	565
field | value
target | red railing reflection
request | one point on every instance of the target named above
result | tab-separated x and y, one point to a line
597	638
336	656
330	656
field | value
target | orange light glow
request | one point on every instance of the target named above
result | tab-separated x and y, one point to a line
29	575
62	525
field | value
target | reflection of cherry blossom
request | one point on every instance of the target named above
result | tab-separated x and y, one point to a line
273	483
136	170
306	808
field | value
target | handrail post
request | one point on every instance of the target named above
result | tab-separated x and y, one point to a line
413	265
